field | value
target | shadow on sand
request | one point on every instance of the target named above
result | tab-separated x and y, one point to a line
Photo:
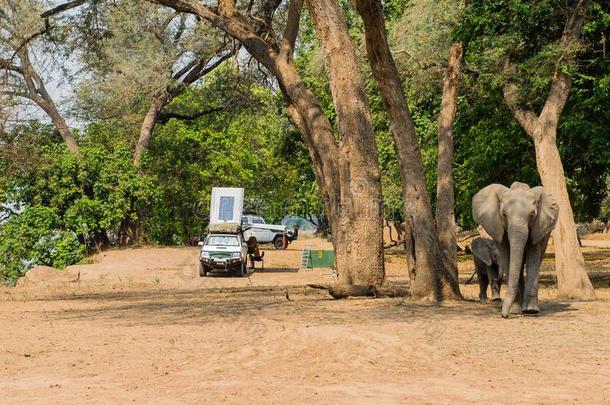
195	306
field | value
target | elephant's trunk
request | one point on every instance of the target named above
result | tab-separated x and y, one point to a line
517	238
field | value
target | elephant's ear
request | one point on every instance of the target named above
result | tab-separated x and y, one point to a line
548	210
481	250
486	210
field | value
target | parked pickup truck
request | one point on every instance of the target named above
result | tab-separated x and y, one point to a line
256	226
223	251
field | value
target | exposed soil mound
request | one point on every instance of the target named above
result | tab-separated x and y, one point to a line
48	275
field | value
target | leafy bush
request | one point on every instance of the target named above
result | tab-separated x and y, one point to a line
34	237
94	195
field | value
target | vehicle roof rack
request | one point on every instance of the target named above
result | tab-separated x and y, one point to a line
224	227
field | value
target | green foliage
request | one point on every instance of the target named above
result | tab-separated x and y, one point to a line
92	194
236	148
141	49
420	38
525	32
490	146
35	237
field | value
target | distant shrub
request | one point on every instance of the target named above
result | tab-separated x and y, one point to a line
32	238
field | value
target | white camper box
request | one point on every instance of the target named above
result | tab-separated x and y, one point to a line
226	209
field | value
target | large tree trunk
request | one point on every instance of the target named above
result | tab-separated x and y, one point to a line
445	201
430	266
572	279
356	217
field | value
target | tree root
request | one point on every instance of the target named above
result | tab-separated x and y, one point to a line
341	291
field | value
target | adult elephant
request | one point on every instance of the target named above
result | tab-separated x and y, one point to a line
520	220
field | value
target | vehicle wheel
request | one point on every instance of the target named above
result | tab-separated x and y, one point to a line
278	243
203	270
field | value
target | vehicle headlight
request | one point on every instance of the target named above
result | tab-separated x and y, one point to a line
236	255
205	255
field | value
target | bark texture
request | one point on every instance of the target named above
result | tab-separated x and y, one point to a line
346	168
445	200
572	279
431	269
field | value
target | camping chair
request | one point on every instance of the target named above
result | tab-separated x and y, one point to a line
254	253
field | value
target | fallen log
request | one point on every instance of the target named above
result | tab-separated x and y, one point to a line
341	291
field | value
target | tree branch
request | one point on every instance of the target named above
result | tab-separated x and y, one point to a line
62	7
181	28
186	6
6	64
234	25
30	38
203	69
524	116
185	69
575	22
164	117
291	30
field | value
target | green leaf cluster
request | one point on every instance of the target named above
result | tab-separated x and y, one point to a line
36	237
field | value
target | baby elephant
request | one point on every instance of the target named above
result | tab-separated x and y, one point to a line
486	261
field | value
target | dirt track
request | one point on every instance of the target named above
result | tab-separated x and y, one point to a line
140	326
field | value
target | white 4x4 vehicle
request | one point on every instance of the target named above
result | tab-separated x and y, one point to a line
256	226
223	252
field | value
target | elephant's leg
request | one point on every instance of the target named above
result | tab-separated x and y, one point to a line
533	260
495	281
503	268
521	283
503	259
516	307
482	277
483	283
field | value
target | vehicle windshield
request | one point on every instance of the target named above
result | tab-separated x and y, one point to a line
222	240
258	220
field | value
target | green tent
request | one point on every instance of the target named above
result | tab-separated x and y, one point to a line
324	259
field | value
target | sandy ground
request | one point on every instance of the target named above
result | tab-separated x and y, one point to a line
140	326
